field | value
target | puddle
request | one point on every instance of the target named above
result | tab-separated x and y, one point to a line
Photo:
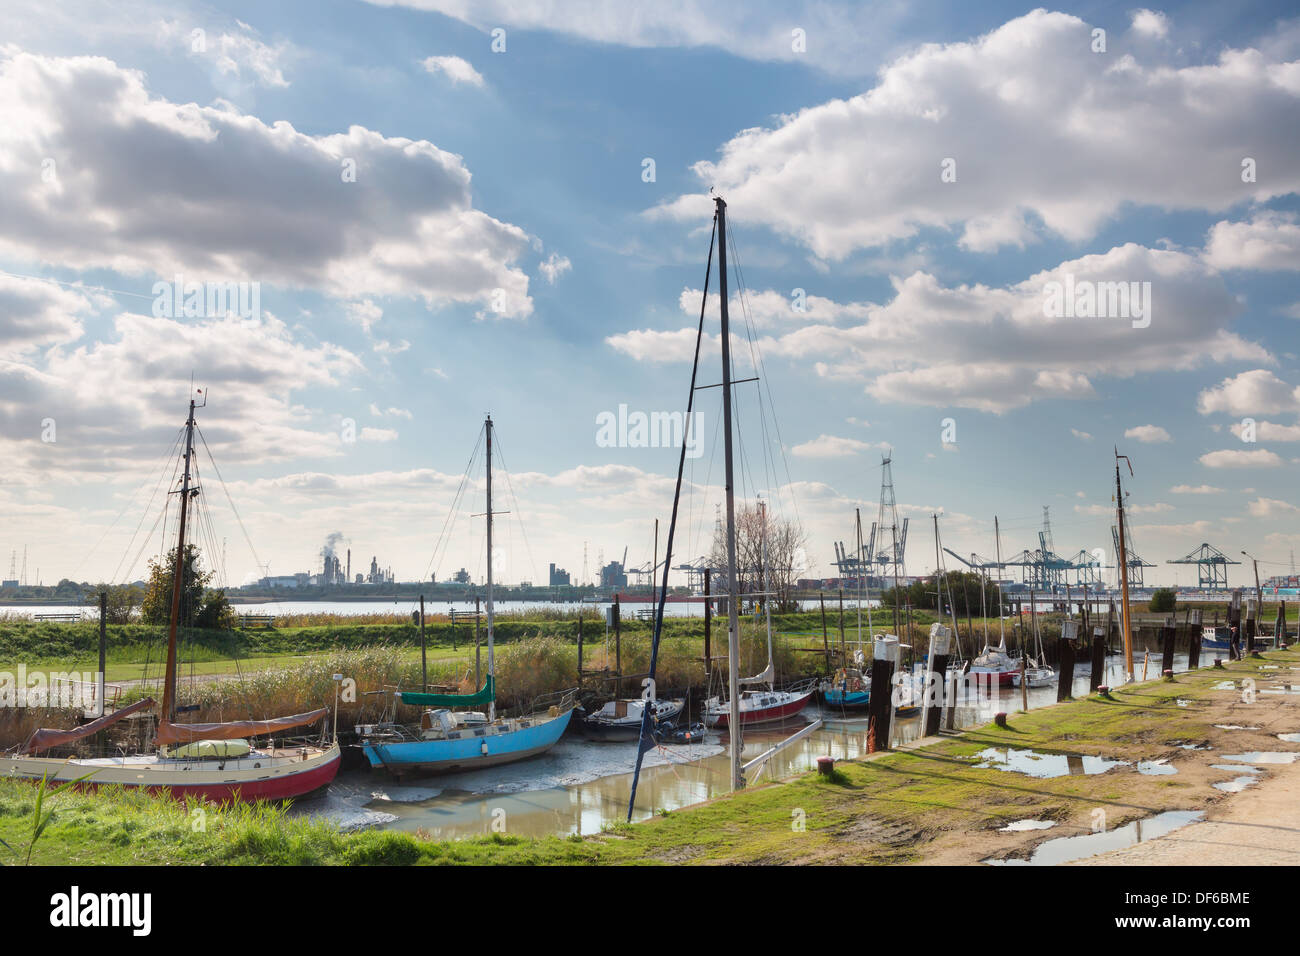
1034	764
1182	703
1236	784
1284	689
1289	738
1068	849
1268	667
1235	768
1265	757
1156	768
1019	826
1234	727
1193	746
1226	685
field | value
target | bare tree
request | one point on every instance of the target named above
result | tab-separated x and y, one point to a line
786	554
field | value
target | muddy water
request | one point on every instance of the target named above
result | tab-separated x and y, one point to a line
581	786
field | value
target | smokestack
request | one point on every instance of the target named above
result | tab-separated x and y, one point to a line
348	579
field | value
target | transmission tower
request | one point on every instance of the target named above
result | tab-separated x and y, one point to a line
891	535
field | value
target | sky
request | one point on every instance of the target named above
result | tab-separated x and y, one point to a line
440	209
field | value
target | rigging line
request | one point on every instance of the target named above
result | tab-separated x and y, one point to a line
458	504
226	491
147	508
130	502
646	739
761	372
514	506
432	566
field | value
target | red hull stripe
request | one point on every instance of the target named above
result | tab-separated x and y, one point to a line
283	787
762	716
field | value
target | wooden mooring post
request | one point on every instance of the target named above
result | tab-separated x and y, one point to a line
1100	644
1170	631
884	658
1234	625
935	683
1279	626
1065	675
1194	641
1252	624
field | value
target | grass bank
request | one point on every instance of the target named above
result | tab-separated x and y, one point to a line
929	804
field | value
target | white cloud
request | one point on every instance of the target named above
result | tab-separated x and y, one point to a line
840	37
35	313
831	446
554	266
1196	490
260	202
118	400
1256	392
992	348
864	172
1269	431
1270	241
1148	434
1271	507
454	68
1150	23
391	411
377	434
1234	458
1082	436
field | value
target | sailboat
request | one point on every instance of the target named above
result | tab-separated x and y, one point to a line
995	661
761	706
1038	673
220	762
447	740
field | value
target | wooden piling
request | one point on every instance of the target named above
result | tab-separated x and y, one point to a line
937	669
1279	626
1065	675
1194	641
1167	658
884	657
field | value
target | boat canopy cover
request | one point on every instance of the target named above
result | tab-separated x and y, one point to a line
169	733
215	749
484	696
45	738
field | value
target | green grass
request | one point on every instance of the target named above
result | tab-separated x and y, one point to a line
885	809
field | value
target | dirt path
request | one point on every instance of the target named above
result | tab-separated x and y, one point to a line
1258	827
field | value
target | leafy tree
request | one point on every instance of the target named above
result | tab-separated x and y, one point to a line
200	605
123	599
1163	600
965	593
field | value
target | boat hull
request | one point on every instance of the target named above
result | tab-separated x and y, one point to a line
451	756
760	715
1004	678
216	781
848	700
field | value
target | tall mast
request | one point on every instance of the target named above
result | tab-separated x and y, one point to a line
767	598
1123	565
492	704
733	590
857	520
169	679
997	543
